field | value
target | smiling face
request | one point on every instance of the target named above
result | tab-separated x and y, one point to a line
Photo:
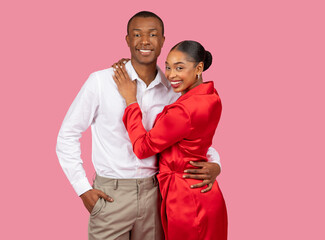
145	40
182	71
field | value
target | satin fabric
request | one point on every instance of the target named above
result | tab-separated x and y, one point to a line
183	132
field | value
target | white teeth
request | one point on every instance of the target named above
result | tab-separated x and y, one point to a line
174	83
144	51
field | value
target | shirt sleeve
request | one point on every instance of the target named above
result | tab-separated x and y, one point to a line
78	118
213	156
173	125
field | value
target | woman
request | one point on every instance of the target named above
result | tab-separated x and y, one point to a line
182	132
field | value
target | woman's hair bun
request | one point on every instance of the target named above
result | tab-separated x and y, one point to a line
207	61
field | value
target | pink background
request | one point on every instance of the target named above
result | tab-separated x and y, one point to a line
269	59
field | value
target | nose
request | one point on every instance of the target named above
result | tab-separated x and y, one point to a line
145	40
171	74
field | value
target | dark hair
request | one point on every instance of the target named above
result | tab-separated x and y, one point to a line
146	14
195	51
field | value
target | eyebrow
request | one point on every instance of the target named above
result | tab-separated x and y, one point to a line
175	63
178	63
152	29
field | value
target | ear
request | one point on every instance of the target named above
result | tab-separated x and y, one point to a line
199	68
127	39
162	41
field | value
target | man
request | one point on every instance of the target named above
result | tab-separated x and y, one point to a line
124	200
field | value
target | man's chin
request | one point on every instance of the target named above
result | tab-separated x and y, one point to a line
145	61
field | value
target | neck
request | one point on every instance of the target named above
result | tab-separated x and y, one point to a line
147	72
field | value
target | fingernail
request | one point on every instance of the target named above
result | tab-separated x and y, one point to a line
192	186
121	66
186	171
184	176
124	62
114	69
116	66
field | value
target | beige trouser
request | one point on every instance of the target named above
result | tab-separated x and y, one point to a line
134	214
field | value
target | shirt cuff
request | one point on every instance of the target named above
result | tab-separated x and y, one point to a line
81	186
132	103
213	156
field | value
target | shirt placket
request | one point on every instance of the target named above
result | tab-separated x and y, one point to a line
144	102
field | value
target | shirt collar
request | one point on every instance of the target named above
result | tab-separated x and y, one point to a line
160	77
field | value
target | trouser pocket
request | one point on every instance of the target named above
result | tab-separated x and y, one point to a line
98	206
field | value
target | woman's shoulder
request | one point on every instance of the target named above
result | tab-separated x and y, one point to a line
201	101
196	104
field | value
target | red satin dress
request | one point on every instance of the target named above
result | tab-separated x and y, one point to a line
183	132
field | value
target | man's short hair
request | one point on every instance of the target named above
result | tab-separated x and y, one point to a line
146	14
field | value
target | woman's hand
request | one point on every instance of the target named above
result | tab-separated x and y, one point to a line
126	87
120	62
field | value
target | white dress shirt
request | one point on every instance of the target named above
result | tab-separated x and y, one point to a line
99	105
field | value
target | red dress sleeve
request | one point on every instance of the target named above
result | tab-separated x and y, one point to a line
172	125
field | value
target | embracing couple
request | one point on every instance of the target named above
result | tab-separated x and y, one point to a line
151	143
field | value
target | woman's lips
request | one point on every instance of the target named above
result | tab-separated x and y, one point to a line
175	84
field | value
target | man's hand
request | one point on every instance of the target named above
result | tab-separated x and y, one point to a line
90	198
206	171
